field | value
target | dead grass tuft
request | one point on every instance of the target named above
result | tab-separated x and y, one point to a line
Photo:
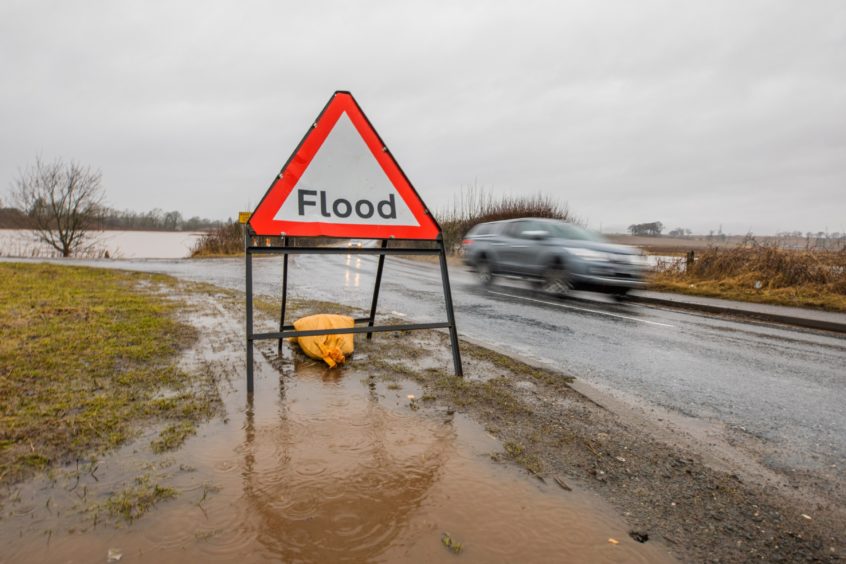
763	274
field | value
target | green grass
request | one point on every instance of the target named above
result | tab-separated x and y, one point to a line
132	503
86	356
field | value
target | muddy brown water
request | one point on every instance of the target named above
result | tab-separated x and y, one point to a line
322	466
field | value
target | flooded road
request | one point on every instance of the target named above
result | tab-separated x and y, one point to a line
321	466
765	383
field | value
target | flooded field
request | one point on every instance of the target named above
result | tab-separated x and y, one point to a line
320	466
118	244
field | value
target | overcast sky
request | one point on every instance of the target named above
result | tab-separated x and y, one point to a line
696	114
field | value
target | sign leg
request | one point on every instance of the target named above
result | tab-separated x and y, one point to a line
284	293
376	289
249	292
453	331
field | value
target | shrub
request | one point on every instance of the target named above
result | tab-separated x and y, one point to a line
225	240
473	206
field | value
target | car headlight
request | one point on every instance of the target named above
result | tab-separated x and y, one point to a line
640	260
588	254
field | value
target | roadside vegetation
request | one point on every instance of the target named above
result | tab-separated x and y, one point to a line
473	205
763	274
226	240
88	357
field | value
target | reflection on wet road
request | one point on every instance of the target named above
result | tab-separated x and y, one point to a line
779	383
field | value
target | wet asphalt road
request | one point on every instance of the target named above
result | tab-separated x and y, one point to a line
782	384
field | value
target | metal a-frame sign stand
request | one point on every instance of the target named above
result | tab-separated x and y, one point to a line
340	146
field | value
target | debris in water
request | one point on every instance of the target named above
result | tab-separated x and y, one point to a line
638	536
114	555
450	543
411	397
613	541
808	517
562	484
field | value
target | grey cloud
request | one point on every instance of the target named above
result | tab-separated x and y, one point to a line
692	113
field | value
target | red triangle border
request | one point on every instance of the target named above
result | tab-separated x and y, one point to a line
262	220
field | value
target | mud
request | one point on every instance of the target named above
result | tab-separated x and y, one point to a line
706	501
357	464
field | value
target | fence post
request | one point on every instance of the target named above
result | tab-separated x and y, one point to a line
690	258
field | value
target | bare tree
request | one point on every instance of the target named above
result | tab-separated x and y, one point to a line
61	200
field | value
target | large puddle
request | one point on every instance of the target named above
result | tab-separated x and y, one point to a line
322	466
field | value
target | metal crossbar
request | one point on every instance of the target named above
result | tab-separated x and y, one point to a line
348	330
286	331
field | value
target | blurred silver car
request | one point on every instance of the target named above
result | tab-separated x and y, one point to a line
556	255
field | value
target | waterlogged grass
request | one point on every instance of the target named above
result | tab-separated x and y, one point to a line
88	356
173	436
133	502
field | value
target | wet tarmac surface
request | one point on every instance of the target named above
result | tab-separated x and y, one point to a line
767	382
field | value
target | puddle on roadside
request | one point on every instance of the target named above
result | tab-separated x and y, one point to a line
323	466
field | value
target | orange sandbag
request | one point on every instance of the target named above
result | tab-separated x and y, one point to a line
332	349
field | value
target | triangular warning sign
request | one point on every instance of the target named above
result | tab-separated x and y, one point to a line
341	181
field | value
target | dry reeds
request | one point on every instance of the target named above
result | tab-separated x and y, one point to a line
761	273
473	205
773	266
225	240
229	240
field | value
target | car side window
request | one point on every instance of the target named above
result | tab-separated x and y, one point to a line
514	229
566	232
528	229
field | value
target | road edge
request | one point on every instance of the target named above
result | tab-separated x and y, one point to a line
806	322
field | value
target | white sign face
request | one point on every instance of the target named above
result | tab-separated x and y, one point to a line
341	181
344	184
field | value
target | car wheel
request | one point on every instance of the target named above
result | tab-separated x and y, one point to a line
619	294
485	273
556	281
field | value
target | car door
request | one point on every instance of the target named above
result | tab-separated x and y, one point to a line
526	247
510	245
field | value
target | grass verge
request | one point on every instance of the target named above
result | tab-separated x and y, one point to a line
133	502
87	356
762	274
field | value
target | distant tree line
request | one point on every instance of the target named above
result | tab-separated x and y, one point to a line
680	232
153	220
653	229
119	220
811	235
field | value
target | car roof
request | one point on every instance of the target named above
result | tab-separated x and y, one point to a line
513	219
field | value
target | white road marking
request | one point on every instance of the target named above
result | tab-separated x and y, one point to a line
567	306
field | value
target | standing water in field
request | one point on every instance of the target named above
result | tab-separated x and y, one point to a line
114	244
321	466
